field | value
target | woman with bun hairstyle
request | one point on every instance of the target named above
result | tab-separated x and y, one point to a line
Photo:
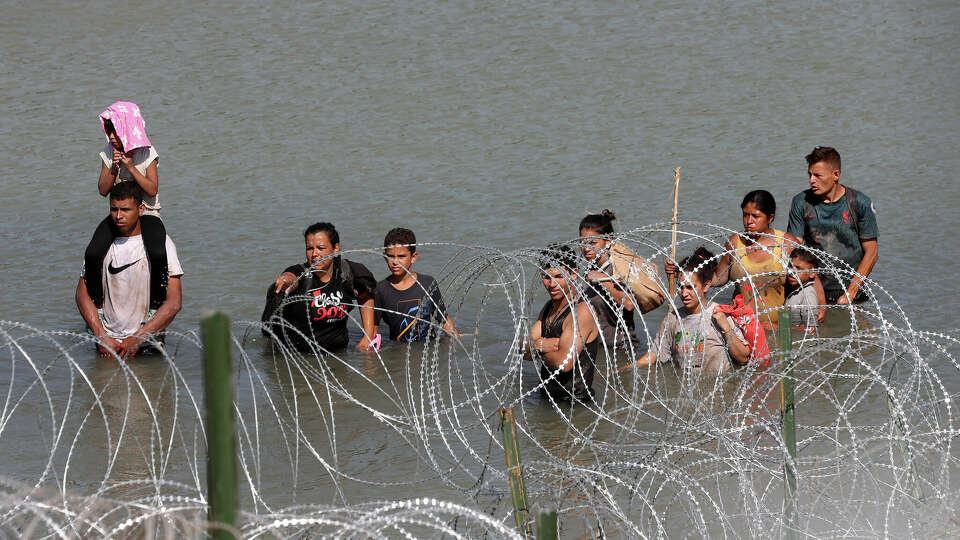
608	297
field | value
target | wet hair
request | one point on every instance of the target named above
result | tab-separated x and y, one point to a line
108	127
701	263
558	255
402	237
806	256
602	222
762	199
826	154
128	189
332	235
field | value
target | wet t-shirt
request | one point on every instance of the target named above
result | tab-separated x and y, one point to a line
412	313
693	341
830	227
319	311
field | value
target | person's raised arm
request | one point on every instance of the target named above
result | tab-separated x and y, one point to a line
613	287
160	320
148	182
105	182
722	275
88	310
870	256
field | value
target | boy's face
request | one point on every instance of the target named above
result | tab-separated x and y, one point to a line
399	260
801	270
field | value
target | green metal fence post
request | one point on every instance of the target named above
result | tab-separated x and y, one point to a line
788	414
518	491
547	525
221	435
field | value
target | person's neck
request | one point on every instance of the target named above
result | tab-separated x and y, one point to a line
136	231
558	303
403	282
323	275
754	237
695	309
834	194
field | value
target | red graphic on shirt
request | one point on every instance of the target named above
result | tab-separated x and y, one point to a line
329	307
846	217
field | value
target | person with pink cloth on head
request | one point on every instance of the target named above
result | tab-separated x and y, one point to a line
128	156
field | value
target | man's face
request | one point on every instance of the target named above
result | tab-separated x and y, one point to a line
399	260
822	177
555	282
125	214
319	248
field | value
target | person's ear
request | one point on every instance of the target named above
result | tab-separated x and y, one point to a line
706	287
336	247
141	208
413	258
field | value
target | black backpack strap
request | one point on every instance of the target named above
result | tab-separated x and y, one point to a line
346	274
852	205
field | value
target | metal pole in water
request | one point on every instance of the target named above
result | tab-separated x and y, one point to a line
787	413
518	490
221	435
547	525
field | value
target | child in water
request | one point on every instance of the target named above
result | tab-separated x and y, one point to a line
700	337
409	302
802	296
128	155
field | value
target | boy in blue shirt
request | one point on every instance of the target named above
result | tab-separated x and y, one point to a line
410	303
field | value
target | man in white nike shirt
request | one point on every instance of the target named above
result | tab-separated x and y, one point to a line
126	320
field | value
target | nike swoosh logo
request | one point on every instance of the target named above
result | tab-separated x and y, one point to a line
114	270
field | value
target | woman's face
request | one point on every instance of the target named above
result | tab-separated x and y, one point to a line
594	248
319	248
692	291
754	220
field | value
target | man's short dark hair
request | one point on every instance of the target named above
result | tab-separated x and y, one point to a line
332	235
558	256
128	189
806	256
826	154
398	236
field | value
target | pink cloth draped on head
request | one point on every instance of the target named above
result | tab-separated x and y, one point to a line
128	123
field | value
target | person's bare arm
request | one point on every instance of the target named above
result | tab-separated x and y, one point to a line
613	287
739	351
105	182
148	182
539	343
368	317
870	256
821	298
88	310
160	320
722	275
449	328
571	341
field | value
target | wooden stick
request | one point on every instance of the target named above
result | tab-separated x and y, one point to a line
673	243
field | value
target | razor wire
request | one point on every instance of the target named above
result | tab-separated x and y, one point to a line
404	442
